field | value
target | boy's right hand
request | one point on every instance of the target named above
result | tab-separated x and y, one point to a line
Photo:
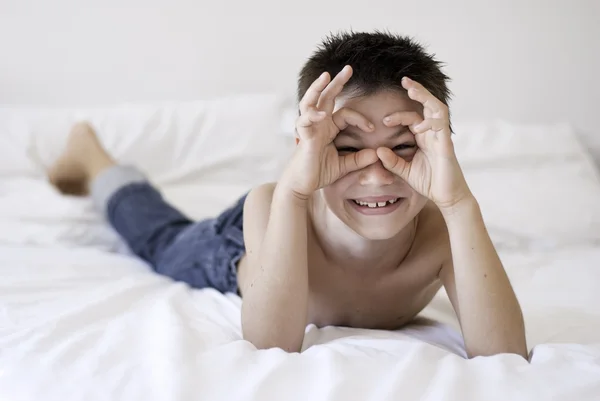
316	162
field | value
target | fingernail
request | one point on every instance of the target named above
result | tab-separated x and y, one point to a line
322	113
406	79
371	126
387	119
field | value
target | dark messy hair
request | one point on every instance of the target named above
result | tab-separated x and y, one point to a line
379	61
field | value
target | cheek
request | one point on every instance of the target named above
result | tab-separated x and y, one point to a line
333	193
419	200
336	194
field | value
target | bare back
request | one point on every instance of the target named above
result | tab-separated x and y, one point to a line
350	294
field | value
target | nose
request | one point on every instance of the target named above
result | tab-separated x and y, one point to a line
375	175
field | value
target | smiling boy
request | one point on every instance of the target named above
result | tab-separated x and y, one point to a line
371	217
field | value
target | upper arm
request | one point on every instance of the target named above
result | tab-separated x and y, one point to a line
447	276
257	209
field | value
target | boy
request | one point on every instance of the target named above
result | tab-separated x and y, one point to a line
370	218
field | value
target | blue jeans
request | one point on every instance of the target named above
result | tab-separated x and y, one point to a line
202	254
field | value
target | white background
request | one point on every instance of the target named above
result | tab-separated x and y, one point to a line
532	61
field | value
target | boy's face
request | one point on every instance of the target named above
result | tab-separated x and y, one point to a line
374	184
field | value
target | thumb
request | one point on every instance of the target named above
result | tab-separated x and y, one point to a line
356	161
393	162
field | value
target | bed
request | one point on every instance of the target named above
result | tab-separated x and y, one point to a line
81	319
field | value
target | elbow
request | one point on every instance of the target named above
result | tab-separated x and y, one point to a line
263	341
516	347
505	338
501	351
267	327
265	336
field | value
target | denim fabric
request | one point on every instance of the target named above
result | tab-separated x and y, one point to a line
202	254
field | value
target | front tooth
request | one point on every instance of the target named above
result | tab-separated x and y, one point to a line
381	204
372	204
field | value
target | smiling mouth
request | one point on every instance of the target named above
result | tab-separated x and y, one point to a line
375	205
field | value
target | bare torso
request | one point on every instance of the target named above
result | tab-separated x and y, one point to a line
353	295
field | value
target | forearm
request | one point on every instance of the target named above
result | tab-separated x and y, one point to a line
490	315
274	311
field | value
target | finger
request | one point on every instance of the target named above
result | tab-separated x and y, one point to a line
333	89
418	92
406	118
393	162
356	161
433	124
311	97
310	117
345	117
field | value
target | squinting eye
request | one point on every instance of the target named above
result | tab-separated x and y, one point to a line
404	146
346	149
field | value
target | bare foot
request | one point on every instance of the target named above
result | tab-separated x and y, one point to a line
83	158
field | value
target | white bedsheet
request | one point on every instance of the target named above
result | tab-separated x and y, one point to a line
83	324
80	319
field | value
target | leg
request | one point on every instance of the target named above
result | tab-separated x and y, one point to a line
133	207
202	254
138	212
207	253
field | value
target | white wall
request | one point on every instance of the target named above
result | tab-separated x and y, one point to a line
528	60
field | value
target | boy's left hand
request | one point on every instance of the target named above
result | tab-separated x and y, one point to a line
434	171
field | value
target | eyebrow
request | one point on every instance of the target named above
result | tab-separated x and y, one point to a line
355	135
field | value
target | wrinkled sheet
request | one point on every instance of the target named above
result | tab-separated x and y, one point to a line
80	318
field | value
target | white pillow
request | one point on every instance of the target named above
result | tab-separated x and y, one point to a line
536	183
495	140
202	155
231	141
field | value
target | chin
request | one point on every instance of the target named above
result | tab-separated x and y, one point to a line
377	233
